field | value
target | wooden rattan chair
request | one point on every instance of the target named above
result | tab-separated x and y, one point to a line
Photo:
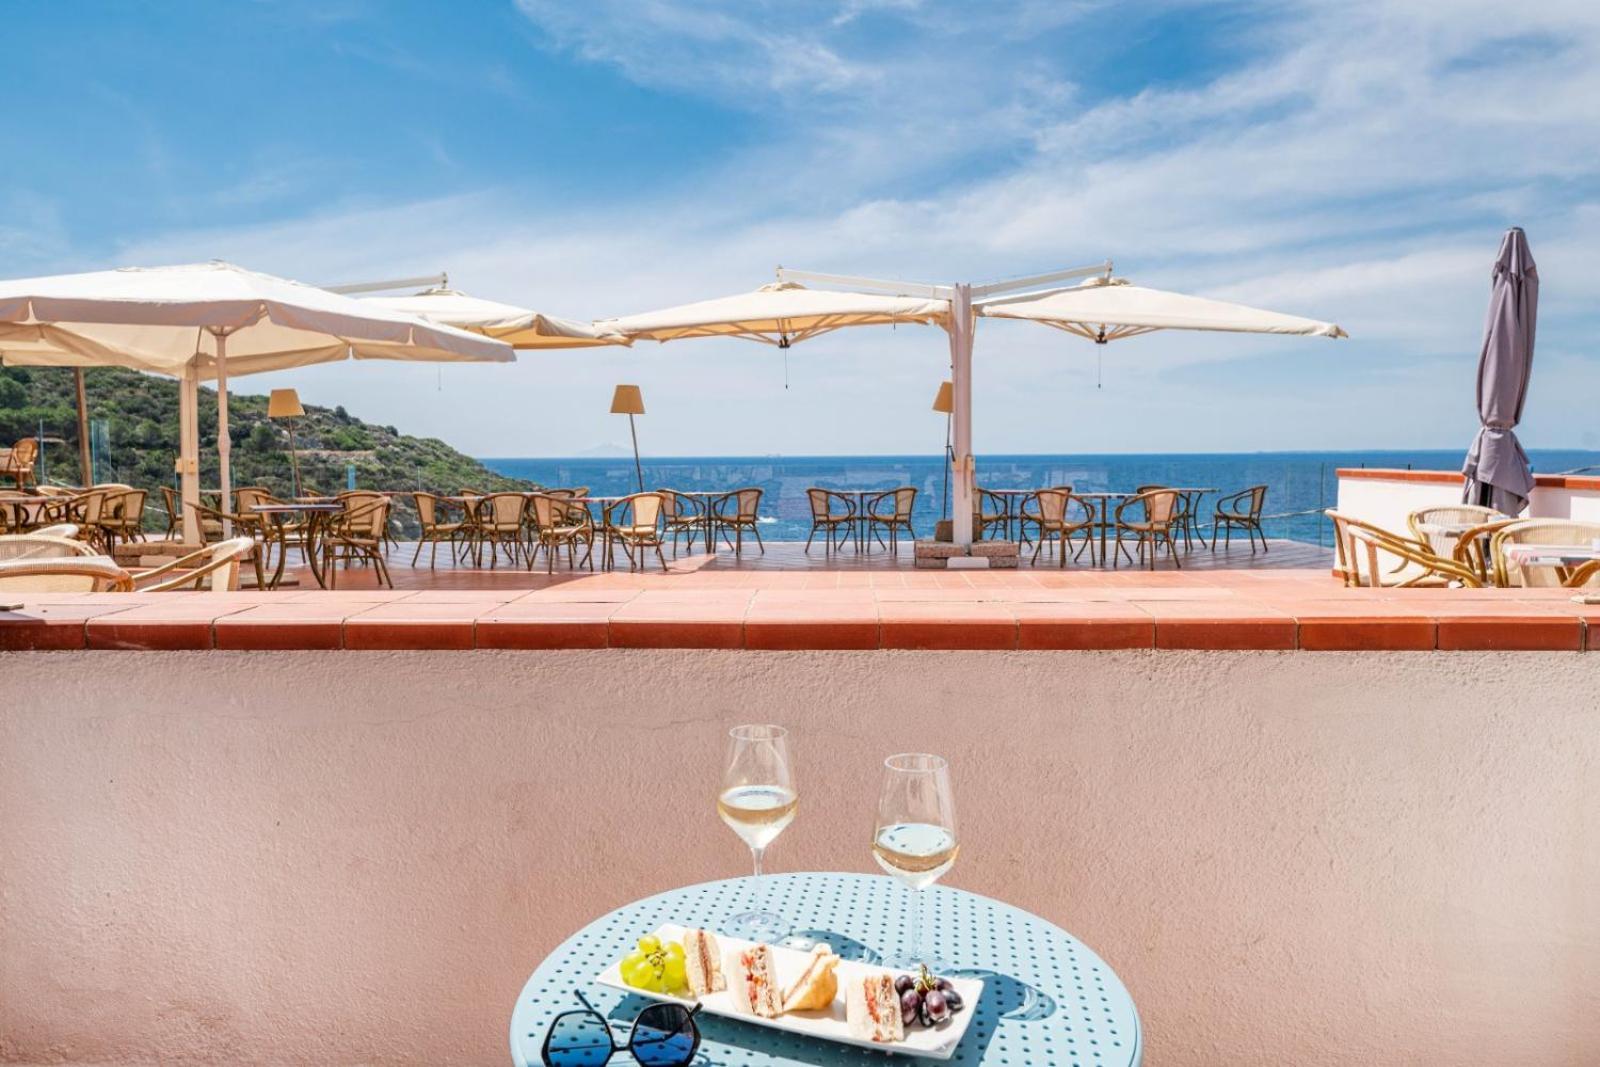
988	510
634	522
1414	563
556	526
1241	510
64	574
891	519
833	523
1029	516
435	527
356	534
1156	512
123	516
734	513
502	525
1444	544
214	567
1542	532
17	462
682	516
1057	524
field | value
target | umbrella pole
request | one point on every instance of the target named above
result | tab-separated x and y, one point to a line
961	324
637	468
85	463
224	444
189	452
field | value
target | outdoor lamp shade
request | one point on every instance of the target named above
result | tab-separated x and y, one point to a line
284	404
944	402
627	400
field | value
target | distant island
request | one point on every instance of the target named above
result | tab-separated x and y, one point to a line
140	413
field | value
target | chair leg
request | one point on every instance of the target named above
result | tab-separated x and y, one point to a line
809	536
661	557
760	544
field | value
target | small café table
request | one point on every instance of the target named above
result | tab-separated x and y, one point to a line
1102	501
313	515
1013	499
599	505
1047	998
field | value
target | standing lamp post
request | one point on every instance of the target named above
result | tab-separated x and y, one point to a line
285	404
629	401
944	402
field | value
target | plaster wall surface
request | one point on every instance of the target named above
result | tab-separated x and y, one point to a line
1302	858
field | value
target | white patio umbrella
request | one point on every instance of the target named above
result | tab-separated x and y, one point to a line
206	321
1108	309
516	326
778	314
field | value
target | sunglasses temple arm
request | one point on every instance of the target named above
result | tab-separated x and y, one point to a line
585	1001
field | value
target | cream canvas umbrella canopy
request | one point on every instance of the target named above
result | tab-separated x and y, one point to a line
205	321
779	314
1107	309
516	326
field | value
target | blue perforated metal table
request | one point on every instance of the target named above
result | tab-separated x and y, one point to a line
1047	998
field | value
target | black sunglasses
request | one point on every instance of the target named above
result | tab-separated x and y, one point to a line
664	1035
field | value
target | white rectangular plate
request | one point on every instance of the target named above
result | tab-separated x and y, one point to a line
826	1025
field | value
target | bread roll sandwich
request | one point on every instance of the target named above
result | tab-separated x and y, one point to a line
817	985
872	1008
702	963
755	982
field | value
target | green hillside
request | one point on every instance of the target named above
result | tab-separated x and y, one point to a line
141	440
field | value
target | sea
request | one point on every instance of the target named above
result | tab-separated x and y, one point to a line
1299	484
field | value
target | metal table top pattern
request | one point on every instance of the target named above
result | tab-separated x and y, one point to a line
1047	997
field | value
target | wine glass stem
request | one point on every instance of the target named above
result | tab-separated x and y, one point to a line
755	879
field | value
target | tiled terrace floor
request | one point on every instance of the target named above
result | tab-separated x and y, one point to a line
843	604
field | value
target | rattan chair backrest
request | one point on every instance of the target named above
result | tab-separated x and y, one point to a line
42	545
1539	532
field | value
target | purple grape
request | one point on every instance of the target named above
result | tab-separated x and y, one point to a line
935	1007
952	1000
903	983
910	1006
942	985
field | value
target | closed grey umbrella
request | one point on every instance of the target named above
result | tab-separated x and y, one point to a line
1497	469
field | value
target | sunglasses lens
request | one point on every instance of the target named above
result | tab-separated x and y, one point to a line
578	1039
665	1036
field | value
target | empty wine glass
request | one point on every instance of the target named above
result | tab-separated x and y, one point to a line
914	837
758	802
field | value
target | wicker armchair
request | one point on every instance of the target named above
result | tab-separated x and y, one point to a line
1056	521
1030	516
988	510
734	513
832	523
1241	510
123	516
1444	544
435	528
472	522
17	462
555	527
502	525
63	574
214	567
357	534
635	522
894	517
681	515
1157	511
1416	564
1364	541
1543	532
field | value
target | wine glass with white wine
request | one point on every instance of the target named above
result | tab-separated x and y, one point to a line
914	838
758	802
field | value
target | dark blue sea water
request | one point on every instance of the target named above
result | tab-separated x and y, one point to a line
1298	482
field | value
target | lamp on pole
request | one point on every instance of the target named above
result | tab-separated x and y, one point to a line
285	404
944	402
629	401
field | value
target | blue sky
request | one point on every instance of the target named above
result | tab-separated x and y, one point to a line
1353	161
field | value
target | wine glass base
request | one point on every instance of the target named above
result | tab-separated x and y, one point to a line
765	926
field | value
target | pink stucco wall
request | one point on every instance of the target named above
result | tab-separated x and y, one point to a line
358	857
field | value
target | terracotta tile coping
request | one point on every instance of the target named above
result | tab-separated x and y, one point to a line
1295	613
1395	474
